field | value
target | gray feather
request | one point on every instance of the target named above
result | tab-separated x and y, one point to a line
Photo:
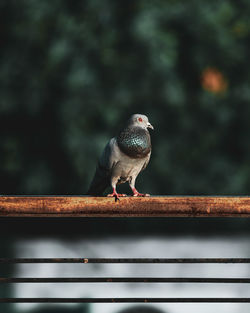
102	175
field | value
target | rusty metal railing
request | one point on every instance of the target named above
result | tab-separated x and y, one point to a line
161	206
126	207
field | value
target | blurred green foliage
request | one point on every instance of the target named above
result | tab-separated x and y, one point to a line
72	72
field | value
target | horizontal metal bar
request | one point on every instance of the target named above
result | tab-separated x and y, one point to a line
124	300
123	280
124	260
161	206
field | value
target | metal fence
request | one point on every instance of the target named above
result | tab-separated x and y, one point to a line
162	206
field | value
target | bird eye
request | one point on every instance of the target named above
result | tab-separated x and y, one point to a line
140	119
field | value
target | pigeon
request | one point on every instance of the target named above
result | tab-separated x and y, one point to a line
123	158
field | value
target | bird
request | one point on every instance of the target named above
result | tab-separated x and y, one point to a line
123	158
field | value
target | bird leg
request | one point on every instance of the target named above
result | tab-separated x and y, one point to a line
116	195
135	192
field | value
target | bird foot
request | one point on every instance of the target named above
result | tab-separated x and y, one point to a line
138	194
116	195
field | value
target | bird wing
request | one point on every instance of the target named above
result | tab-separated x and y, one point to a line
103	171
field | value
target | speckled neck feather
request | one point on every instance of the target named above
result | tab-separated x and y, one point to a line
134	141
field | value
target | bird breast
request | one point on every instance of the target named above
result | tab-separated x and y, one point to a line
134	142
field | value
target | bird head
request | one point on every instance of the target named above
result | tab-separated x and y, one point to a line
140	120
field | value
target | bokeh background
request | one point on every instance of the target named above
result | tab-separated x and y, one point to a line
71	74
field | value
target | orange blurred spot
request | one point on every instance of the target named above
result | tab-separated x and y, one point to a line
213	80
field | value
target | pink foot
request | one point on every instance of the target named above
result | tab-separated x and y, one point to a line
116	195
138	194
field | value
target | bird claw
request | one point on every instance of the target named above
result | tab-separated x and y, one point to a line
138	194
116	195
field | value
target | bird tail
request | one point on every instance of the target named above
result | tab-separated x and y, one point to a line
100	182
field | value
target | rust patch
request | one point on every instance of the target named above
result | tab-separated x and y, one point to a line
85	260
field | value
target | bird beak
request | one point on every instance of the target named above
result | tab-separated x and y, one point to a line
150	126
